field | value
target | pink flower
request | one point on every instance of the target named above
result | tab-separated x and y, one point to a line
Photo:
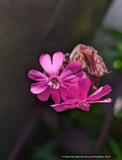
77	96
54	84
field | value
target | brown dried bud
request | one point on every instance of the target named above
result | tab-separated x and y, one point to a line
92	63
66	61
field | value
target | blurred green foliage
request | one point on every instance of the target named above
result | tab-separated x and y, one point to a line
45	152
115	147
117	64
114	54
115	34
118	113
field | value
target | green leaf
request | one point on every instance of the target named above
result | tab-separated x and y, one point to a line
115	147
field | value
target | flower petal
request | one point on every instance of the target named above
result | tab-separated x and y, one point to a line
57	62
55	95
73	92
59	108
67	84
38	87
71	79
72	106
81	74
46	63
73	101
43	96
102	91
107	100
65	105
37	76
63	85
86	109
70	69
63	92
84	86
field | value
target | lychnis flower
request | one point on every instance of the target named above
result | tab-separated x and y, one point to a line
53	83
77	96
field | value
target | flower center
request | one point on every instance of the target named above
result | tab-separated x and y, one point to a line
54	80
54	83
81	105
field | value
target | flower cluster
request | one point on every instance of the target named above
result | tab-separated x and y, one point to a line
67	82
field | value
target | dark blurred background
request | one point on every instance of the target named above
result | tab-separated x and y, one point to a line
28	29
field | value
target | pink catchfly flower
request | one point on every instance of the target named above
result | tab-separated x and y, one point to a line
77	96
53	83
